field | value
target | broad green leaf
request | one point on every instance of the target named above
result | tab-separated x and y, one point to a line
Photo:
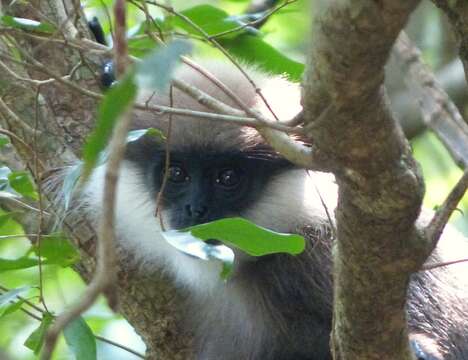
80	339
116	100
21	183
254	50
11	307
135	135
248	237
4	140
211	19
36	339
56	249
154	72
244	44
26	24
17	264
5	298
190	245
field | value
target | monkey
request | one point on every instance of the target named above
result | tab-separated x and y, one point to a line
274	307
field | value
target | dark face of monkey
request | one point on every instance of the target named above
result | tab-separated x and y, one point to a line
205	185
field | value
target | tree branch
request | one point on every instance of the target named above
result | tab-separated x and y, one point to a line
380	187
438	111
437	224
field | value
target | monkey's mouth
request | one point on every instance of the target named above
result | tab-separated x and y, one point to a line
213	242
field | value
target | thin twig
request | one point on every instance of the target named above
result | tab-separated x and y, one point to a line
40	223
254	22
166	165
104	280
216	44
239	120
17	121
436	225
442	264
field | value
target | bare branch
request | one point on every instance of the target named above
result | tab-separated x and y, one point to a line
436	226
105	277
439	113
380	187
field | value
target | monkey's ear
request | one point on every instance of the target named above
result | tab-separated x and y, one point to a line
424	347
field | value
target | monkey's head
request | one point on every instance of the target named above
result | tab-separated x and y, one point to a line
216	170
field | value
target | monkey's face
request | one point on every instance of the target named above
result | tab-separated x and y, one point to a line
202	186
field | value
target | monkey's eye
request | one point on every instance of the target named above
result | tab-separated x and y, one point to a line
229	178
177	174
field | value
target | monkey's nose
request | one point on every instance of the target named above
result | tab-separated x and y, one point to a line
197	211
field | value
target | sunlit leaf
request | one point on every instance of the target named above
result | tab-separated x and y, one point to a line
26	24
211	19
116	100
56	249
140	46
36	339
248	237
80	339
190	245
256	51
154	72
21	182
244	44
17	264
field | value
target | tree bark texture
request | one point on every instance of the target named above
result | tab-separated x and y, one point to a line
380	185
63	117
457	12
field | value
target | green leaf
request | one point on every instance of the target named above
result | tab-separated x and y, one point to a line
11	308
80	339
254	50
248	237
141	46
17	264
5	298
26	24
56	249
190	245
36	339
244	44
211	19
116	100
21	183
154	72
4	140
4	218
